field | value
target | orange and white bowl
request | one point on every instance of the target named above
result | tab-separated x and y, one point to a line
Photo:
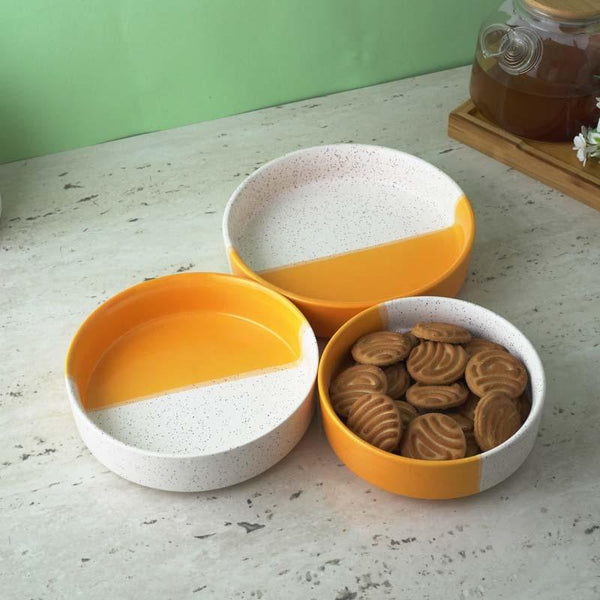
193	381
422	478
340	228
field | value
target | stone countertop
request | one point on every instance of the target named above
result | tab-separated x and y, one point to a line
79	226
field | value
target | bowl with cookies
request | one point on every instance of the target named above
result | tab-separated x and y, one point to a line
342	227
431	397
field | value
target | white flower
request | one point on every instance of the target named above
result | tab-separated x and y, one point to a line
581	143
598	105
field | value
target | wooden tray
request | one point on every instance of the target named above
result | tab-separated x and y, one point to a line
553	164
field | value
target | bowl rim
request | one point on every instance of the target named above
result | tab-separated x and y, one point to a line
315	302
537	403
75	396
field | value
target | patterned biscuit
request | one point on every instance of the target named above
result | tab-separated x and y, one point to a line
376	419
354	382
436	363
382	348
397	380
496	371
496	419
434	436
478	344
441	332
407	412
436	397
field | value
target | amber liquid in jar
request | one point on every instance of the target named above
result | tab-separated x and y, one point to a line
549	104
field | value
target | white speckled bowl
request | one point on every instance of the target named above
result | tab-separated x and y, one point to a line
193	381
422	478
340	228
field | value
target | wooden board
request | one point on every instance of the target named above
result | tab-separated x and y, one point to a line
554	164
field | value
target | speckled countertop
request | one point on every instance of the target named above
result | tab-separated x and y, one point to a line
77	227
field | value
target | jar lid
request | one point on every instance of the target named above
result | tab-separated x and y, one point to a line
570	10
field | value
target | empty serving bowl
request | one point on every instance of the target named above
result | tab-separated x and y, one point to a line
192	382
340	228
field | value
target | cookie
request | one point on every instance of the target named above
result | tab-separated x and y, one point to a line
382	348
407	412
376	419
354	382
468	408
478	344
436	363
441	332
496	419
436	397
397	380
434	436
496	371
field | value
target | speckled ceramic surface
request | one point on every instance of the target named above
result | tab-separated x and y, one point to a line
342	227
192	382
432	479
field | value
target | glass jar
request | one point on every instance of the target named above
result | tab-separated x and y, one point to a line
537	67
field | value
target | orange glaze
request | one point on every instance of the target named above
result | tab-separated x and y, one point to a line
179	351
369	275
178	331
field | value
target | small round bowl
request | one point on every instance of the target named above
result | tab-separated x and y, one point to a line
192	382
340	228
422	478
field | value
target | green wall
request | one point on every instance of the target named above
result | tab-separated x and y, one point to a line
78	72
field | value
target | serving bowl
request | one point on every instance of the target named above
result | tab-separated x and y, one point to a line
343	227
422	478
193	381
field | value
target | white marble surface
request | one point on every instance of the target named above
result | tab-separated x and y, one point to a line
79	226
